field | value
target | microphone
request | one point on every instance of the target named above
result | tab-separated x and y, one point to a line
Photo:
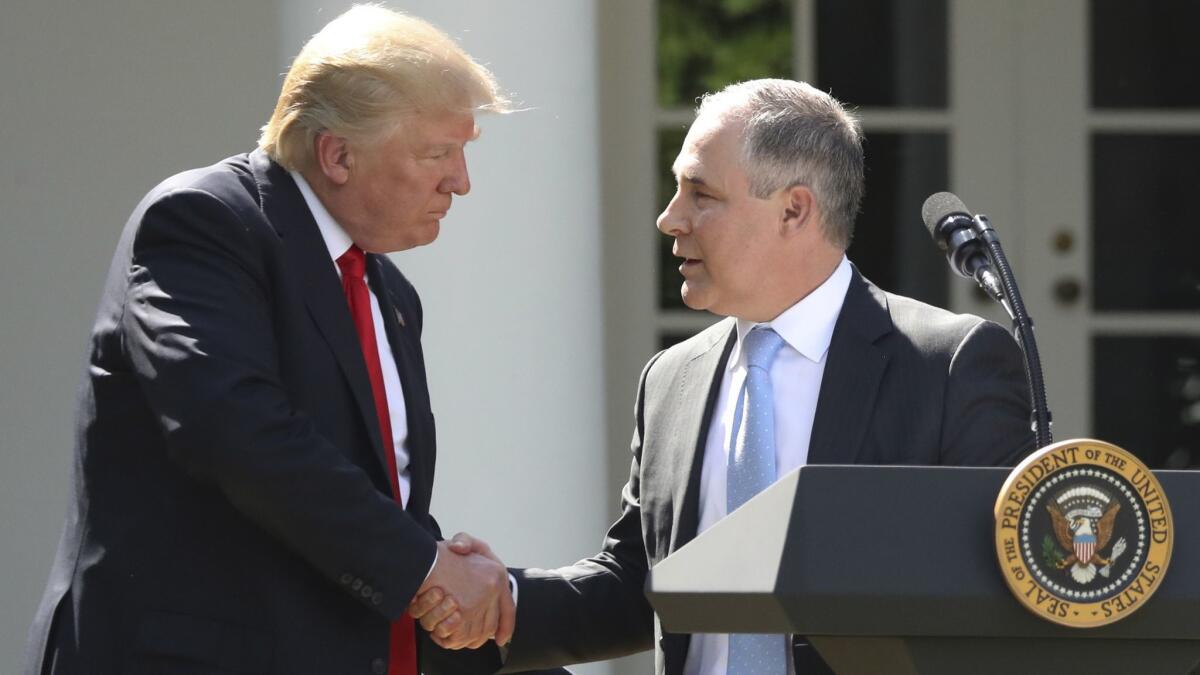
953	230
973	251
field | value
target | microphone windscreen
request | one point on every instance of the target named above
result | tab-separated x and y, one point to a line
938	207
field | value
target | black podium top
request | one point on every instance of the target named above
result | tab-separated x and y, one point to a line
890	551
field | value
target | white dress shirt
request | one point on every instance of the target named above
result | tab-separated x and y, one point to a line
338	242
806	328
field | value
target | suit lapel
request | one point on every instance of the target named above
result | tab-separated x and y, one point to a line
684	444
307	253
416	397
853	371
699	387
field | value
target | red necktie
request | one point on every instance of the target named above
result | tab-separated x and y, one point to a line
402	653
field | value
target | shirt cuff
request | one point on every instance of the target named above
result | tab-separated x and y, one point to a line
434	564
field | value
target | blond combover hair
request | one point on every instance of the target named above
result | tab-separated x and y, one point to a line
362	73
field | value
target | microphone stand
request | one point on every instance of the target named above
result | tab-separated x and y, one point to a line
1022	328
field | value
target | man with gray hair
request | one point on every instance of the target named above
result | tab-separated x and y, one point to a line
255	449
815	365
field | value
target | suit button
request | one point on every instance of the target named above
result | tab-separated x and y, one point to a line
346	578
378	666
377	599
366	591
357	584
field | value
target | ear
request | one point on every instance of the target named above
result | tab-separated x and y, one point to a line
799	210
333	157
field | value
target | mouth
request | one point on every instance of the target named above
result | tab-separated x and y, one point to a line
690	263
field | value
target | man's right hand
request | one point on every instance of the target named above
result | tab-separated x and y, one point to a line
465	601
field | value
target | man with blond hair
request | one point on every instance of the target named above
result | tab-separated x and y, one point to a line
255	448
815	365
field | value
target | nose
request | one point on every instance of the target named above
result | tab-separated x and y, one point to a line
673	221
458	180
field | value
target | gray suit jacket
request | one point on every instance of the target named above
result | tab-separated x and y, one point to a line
904	383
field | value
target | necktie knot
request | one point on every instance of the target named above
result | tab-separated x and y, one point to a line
762	344
353	263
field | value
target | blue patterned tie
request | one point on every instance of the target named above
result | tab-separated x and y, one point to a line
750	470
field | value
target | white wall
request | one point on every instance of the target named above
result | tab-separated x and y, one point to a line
102	100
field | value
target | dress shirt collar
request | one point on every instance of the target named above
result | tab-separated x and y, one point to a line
336	239
806	326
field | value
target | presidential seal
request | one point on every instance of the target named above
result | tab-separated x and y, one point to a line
1083	533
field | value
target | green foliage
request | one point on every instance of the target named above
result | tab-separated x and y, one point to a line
1051	555
704	45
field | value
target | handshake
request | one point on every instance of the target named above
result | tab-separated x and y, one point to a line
466	600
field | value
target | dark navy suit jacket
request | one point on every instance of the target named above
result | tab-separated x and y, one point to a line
231	510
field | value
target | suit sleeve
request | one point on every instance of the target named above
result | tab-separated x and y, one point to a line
987	414
597	608
197	327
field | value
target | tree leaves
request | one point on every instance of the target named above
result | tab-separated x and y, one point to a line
1051	555
704	45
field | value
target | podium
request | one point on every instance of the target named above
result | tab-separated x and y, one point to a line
892	570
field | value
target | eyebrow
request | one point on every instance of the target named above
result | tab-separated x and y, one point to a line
691	178
449	144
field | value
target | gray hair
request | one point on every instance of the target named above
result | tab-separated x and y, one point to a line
795	134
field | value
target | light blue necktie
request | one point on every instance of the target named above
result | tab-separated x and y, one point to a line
750	470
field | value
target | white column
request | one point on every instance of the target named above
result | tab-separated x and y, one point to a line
512	289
